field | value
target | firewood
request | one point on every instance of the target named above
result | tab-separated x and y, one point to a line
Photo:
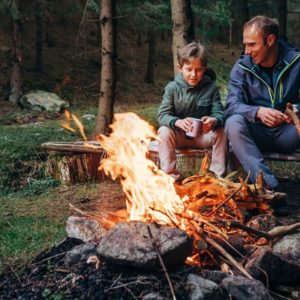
280	231
223	252
295	120
162	263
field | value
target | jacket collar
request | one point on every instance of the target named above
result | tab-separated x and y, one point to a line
287	54
180	80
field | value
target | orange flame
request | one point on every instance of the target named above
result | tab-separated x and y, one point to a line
150	192
67	125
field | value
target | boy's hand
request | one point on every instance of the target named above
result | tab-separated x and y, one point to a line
209	123
184	124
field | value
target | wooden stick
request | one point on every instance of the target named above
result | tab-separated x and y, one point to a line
248	229
190	215
162	263
223	252
295	120
283	230
225	201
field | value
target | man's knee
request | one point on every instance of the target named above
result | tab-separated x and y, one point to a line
234	125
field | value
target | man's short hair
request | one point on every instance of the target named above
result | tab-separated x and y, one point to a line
265	25
192	51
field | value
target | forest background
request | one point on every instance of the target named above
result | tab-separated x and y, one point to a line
55	46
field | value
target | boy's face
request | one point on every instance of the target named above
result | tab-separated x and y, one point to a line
193	71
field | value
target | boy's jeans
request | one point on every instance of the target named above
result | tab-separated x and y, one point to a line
172	138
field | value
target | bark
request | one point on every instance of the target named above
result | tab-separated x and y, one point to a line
17	57
39	64
107	85
182	23
149	77
282	16
71	168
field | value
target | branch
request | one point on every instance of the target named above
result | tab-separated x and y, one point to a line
295	120
162	263
223	252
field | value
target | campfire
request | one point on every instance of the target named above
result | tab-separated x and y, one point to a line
210	210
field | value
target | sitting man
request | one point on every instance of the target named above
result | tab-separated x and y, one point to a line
262	82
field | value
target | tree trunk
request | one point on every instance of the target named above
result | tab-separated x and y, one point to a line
107	85
282	16
149	77
17	57
181	18
240	13
39	65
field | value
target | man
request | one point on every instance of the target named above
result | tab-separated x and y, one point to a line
262	82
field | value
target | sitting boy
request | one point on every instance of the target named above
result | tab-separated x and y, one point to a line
191	95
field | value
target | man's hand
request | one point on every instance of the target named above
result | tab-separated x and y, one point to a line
209	123
271	117
184	124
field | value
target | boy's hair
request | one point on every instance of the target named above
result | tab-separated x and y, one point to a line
265	25
192	51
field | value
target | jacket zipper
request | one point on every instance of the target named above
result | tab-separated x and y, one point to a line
272	93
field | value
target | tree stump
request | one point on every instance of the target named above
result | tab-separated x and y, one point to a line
74	162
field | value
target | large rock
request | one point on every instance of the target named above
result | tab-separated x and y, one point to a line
130	244
289	246
85	229
43	101
203	289
278	268
241	288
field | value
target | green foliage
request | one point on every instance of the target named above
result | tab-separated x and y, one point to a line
213	17
22	159
144	15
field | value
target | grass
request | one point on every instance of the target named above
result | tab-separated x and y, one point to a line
33	207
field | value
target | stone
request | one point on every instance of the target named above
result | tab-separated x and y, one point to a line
85	229
129	244
278	268
43	101
80	253
288	245
203	289
214	275
241	288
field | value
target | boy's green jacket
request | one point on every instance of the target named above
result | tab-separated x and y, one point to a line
182	100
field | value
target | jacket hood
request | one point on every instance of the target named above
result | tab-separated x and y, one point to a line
180	80
287	53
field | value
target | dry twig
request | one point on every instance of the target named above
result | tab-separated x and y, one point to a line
295	120
162	263
223	252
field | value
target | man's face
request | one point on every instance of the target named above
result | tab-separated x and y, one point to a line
193	71
255	46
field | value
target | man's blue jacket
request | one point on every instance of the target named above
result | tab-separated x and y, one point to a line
248	90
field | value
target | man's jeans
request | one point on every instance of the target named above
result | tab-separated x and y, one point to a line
248	141
176	138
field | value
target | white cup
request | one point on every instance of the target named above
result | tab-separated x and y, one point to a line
196	128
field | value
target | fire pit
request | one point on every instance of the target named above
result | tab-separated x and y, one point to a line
169	238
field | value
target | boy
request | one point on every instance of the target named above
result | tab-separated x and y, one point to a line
191	95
